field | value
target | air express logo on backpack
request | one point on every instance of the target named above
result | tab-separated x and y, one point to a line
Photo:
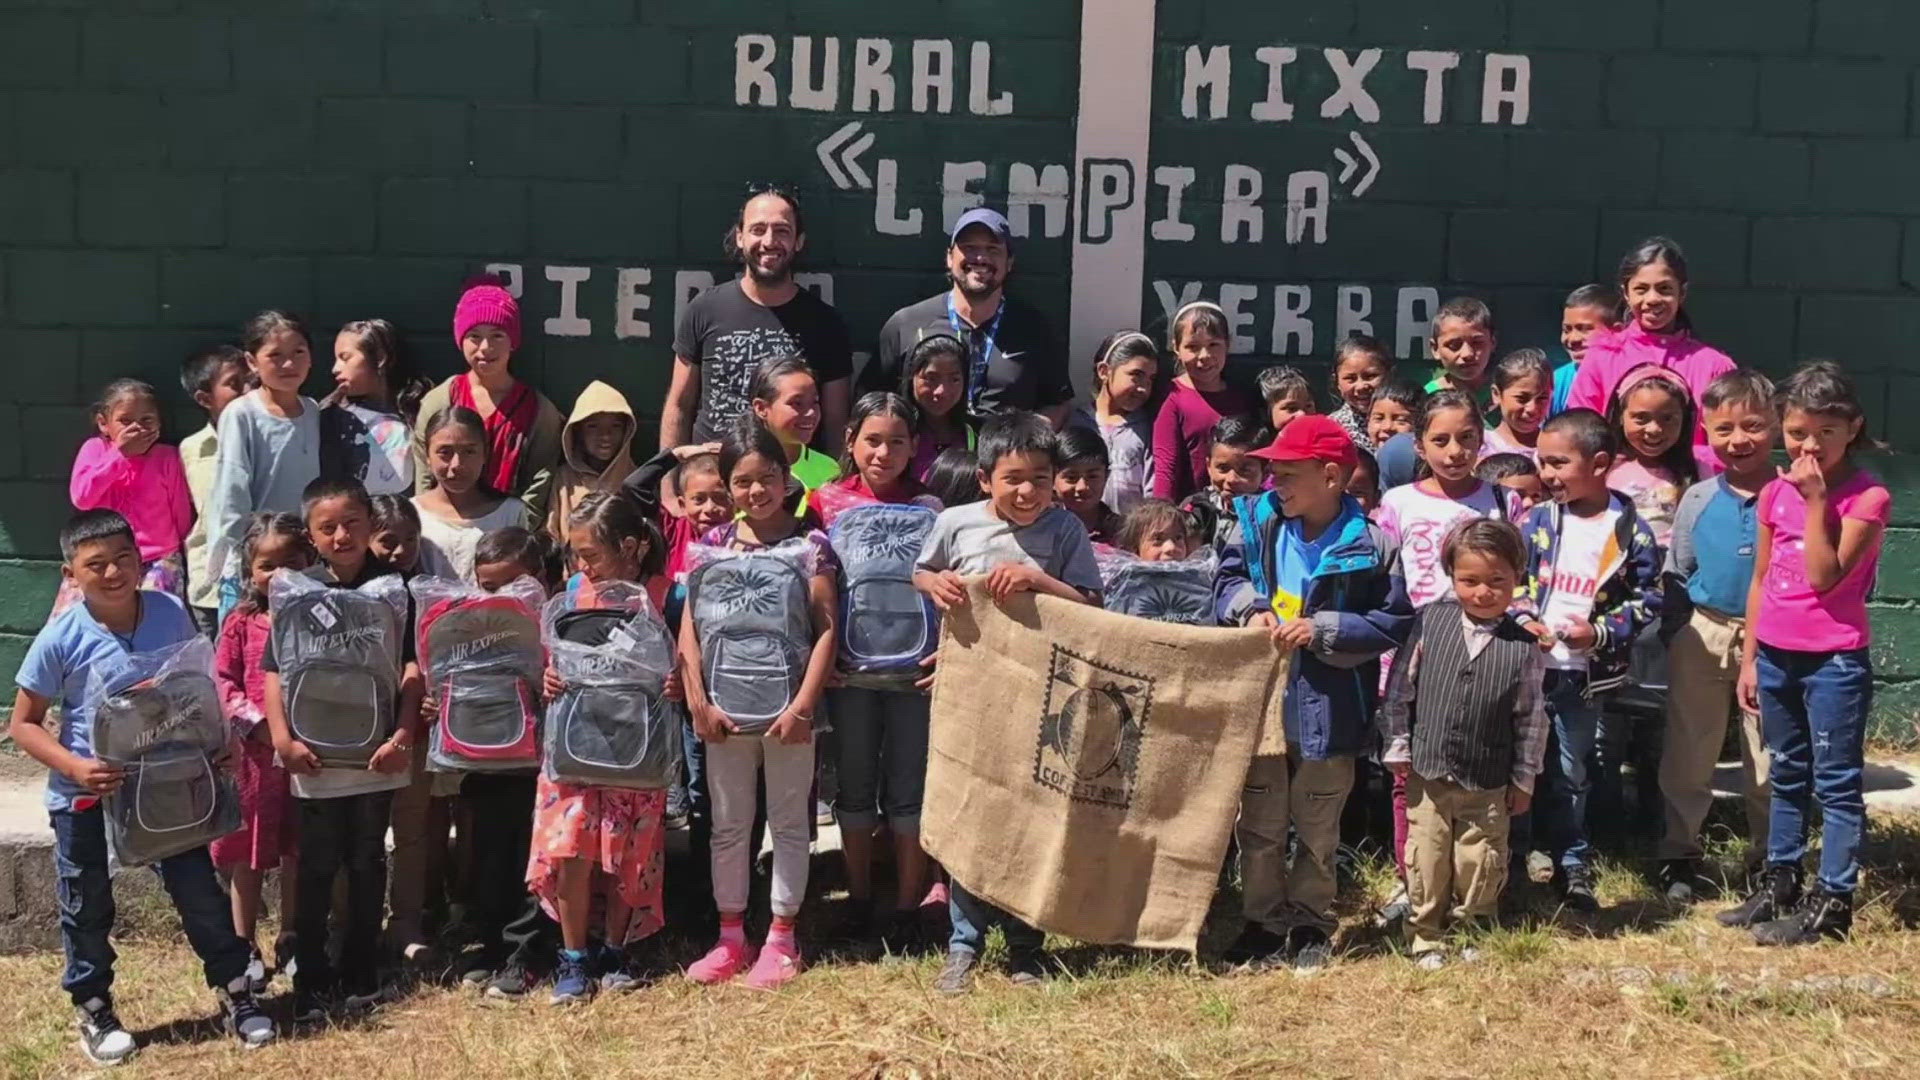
1091	726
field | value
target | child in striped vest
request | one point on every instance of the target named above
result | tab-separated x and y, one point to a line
1467	727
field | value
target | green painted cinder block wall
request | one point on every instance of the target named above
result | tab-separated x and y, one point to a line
169	166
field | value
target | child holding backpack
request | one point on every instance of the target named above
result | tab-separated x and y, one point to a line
720	598
877	517
606	840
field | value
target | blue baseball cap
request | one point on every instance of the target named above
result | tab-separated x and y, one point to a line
982	215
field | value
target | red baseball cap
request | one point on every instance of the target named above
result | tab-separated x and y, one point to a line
1311	438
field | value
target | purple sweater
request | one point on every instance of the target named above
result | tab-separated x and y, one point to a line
1182	437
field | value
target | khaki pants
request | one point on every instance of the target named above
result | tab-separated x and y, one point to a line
421	821
1456	857
1703	666
1308	795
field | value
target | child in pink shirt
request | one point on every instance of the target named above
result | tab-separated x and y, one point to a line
1200	396
125	467
1806	668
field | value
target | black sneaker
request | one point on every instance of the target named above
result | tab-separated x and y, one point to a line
311	1006
1029	966
1576	891
1309	949
1774	895
1680	880
901	932
245	1020
956	975
1255	945
1821	914
102	1038
513	982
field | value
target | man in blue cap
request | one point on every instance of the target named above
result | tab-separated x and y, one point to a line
1015	361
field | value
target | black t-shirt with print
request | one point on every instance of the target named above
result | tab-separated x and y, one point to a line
729	337
1027	369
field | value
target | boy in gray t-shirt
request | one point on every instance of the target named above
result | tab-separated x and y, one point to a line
1022	543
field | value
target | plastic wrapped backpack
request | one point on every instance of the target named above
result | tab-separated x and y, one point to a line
750	613
338	651
158	717
483	660
610	727
1175	592
886	626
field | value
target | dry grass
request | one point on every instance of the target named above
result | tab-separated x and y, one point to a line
1644	991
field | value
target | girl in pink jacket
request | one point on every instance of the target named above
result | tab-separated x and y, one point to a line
1653	280
125	467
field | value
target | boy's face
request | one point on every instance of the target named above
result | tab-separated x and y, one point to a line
228	384
1306	488
1484	583
342	530
1528	489
399	546
601	435
1577	324
1568	474
1364	486
1287	406
1463	349
494	576
1020	486
704	499
1385	419
1079	484
107	571
1742	437
1231	472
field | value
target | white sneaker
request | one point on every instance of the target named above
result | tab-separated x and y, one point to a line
102	1038
1430	961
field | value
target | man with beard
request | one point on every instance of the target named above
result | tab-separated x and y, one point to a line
1016	363
727	332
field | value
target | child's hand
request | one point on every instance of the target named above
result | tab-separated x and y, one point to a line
296	758
1011	577
671	689
694	450
1264	620
134	440
1292	634
711	724
429	709
1805	476
551	685
392	757
1543	634
1746	689
97	776
925	682
1580	637
948	590
791	727
1518	800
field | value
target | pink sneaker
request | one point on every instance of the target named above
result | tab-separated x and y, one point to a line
726	960
778	964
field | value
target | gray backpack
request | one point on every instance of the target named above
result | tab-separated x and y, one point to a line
750	613
886	626
338	651
1175	592
611	726
158	717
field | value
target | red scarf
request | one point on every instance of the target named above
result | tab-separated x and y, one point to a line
508	429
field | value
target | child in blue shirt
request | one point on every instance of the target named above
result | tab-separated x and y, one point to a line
1704	623
116	619
1305	563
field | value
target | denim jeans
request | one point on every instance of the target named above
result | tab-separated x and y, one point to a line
87	909
1814	708
345	833
972	917
882	733
1564	810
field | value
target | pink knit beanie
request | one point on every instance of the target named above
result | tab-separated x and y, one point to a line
487	301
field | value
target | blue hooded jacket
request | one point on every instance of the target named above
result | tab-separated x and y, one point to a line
1357	601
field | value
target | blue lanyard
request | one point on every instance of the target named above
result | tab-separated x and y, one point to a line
977	378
